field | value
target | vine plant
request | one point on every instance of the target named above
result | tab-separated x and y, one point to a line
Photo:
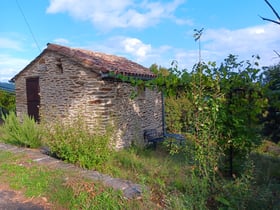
220	118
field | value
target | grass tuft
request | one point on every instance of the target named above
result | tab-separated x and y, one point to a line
24	133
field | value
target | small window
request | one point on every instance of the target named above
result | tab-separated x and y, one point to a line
59	65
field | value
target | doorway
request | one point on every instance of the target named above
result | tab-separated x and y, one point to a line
33	97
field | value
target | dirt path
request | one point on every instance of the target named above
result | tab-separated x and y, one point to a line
15	200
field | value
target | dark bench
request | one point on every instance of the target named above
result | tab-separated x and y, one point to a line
154	137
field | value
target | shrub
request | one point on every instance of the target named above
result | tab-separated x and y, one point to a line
269	148
7	100
76	143
25	132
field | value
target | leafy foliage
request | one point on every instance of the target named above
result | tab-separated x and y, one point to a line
271	118
23	132
75	143
218	109
7	100
244	103
266	185
7	103
176	110
224	102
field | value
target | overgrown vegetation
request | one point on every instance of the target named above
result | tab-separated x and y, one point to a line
76	143
73	142
174	181
271	118
7	104
220	116
22	132
61	189
7	100
222	110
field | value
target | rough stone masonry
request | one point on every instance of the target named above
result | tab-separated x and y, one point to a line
72	84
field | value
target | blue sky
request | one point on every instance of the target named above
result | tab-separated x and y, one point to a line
145	31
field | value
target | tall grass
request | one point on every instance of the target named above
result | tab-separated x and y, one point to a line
25	132
166	176
76	143
266	188
62	190
171	179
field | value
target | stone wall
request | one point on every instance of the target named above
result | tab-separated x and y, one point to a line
68	90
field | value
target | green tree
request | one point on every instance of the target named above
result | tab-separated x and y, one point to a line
239	116
7	102
222	102
271	118
219	115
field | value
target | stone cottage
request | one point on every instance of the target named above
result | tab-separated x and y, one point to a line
63	83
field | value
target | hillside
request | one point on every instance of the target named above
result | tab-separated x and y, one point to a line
10	87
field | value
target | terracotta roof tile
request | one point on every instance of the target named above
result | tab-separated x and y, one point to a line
102	62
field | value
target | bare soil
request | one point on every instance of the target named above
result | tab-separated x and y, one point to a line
15	200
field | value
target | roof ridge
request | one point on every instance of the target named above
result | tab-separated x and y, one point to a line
102	61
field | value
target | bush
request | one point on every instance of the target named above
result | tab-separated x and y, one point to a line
75	143
25	132
7	100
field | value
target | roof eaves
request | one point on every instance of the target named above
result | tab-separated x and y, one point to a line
28	65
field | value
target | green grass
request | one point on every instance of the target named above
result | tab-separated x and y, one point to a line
173	186
169	178
63	190
266	188
165	175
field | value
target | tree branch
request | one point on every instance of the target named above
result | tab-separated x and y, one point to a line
271	7
270	20
276	53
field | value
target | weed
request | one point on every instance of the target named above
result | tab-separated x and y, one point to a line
164	174
266	186
65	190
22	133
75	143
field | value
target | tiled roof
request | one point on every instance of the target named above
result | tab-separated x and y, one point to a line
99	62
102	62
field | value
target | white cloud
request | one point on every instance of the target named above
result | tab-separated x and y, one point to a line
180	21
217	44
7	43
61	41
10	66
109	14
261	40
129	47
136	47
